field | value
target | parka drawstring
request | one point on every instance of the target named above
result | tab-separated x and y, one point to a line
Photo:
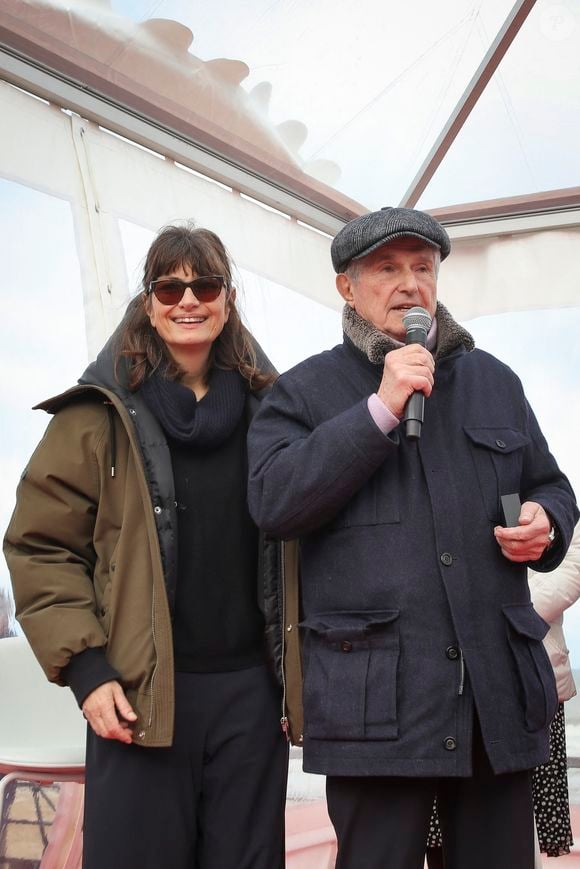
113	436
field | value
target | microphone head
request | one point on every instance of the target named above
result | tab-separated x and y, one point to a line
417	318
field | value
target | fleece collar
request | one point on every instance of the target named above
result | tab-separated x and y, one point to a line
374	344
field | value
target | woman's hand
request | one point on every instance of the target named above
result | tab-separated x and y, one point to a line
109	712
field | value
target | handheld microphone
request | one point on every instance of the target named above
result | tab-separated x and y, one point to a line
417	322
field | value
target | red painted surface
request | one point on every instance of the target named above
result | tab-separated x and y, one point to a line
310	839
311	844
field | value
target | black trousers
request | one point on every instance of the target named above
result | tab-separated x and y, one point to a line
486	820
214	800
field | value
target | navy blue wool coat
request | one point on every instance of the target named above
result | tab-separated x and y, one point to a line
411	614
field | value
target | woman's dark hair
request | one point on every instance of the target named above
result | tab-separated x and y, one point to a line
203	252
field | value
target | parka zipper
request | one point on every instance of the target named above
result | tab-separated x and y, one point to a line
151	684
111	411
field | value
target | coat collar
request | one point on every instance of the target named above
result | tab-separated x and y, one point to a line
374	344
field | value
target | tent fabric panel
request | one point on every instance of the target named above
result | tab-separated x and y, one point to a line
512	273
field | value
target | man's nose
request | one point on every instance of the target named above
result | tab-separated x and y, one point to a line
408	281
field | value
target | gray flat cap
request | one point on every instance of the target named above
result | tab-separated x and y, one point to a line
364	234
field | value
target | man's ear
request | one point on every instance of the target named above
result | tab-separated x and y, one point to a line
344	287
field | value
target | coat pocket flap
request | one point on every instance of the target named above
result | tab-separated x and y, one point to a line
351	661
349	625
526	621
500	440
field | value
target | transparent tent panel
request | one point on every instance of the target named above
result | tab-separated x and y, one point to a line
346	82
371	90
43	349
135	240
520	137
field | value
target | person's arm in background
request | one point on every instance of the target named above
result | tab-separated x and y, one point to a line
554	592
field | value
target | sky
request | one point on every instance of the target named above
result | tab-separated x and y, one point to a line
43	346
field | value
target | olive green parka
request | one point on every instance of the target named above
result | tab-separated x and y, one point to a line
91	548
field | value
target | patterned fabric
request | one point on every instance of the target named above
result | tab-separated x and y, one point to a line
434	839
550	795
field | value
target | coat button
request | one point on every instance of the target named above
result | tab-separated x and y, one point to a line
141	734
157	509
501	444
346	646
452	652
449	743
446	559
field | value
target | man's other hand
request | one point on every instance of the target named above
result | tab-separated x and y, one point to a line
527	540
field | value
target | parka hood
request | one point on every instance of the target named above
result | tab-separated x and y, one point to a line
102	371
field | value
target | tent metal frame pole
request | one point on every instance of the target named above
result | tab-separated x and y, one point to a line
467	101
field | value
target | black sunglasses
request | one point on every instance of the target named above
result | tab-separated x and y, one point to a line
169	291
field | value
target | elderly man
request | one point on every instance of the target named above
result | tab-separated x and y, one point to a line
424	669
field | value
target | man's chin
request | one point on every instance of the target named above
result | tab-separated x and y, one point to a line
394	328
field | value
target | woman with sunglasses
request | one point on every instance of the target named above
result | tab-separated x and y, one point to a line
134	564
